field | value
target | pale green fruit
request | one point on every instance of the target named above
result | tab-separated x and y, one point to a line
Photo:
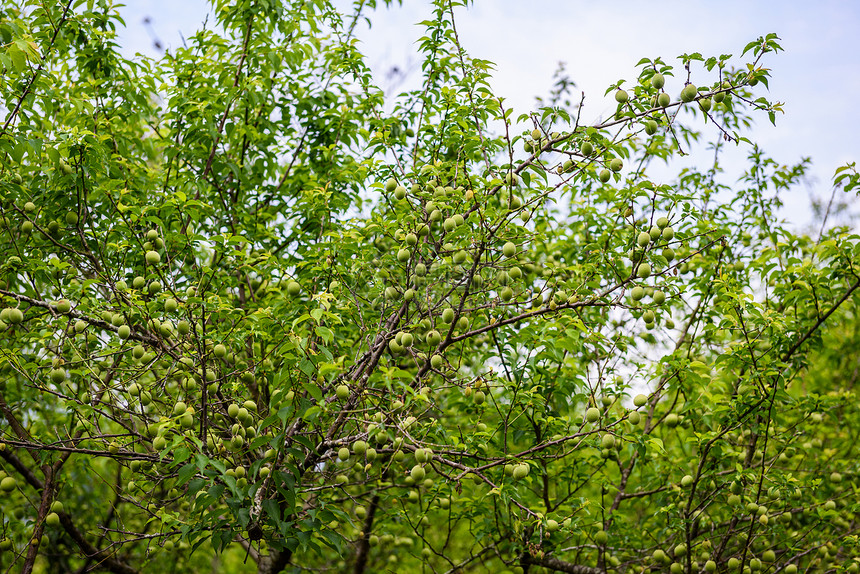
8	484
689	93
399	192
640	400
616	164
359	447
637	293
390	184
436	361
52	519
170	305
686	481
124	332
705	105
604	175
663	100
448	315
650	127
521	471
80	326
658	81
601	537
417	473
668	234
479	397
152	257
343	453
621	96
592	415
58	375
643	239
644	270
63	306
607	441
293	288
551	525
586	148
634	417
72	218
672	420
403	255
509	249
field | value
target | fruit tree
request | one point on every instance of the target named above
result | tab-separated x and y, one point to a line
259	316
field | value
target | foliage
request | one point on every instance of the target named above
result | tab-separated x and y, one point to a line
256	314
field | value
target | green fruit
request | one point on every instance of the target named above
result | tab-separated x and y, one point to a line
521	471
293	288
607	441
668	253
616	164
710	566
155	287
621	96
705	105
359	447
124	332
417	473
71	218
592	415
436	361
658	81
403	255
342	392
634	417
663	100
29	207
672	420
63	306
170	305
399	192
551	525
650	127
8	484
58	375
233	410
220	351
686	481
586	148
56	506
643	239
447	315
790	568
680	550
658	297
507	294
152	257
640	400
433	338
509	249
343	453
689	93
604	175
601	538
644	270
138	282
52	519
668	234
138	351
637	293
390	184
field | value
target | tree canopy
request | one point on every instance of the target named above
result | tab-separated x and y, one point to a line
259	315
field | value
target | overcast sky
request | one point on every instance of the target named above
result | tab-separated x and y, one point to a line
817	77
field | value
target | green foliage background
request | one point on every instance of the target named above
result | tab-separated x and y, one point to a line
259	317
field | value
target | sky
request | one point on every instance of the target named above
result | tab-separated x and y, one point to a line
817	77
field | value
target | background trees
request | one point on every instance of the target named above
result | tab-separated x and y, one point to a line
254	310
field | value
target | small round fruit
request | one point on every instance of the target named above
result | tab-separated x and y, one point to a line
509	249
343	453
592	415
342	392
621	96
52	519
8	484
64	306
658	81
152	257
220	351
640	400
29	207
551	525
124	332
447	315
644	270
601	537
436	361
521	471
672	420
616	164
587	148
643	239
417	473
58	375
72	218
607	441
390	184
689	93
650	127
705	105
604	175
56	506
399	192
293	288
663	100
668	234
658	297
637	293
686	481
359	447
170	305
